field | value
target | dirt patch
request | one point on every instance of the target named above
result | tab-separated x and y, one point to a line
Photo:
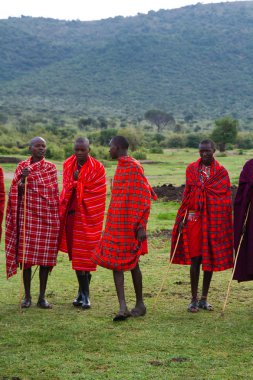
9	160
169	192
161	234
173	193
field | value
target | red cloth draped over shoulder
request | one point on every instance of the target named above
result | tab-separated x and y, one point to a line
42	217
244	199
129	210
2	199
213	200
91	195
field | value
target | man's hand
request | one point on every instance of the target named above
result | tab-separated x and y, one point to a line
141	234
181	226
25	173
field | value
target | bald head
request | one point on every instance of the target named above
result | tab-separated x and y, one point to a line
118	147
121	142
82	149
37	147
36	139
82	140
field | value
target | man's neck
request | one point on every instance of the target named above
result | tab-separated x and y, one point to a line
36	159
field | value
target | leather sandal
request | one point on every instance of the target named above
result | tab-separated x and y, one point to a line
138	311
122	316
43	304
193	306
26	303
203	304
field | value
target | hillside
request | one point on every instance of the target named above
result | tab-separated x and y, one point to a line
193	60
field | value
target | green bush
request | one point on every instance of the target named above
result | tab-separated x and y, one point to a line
139	155
175	141
244	141
156	149
68	150
55	152
193	140
100	153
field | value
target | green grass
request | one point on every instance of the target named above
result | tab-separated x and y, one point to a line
168	343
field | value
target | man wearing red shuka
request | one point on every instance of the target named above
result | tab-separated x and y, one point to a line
207	234
42	220
82	207
2	199
124	238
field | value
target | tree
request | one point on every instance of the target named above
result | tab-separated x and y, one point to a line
106	135
225	132
160	118
84	122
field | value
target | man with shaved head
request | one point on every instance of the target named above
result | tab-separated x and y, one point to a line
41	217
124	239
82	206
203	233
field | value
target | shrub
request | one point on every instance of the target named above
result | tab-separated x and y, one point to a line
175	141
156	149
100	153
55	152
244	141
139	155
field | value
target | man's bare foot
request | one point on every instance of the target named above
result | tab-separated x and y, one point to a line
122	315
139	310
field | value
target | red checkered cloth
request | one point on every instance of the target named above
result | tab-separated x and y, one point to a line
2	199
212	198
88	213
42	217
129	210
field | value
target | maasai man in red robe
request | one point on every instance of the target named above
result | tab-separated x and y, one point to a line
82	207
243	201
124	238
207	234
42	220
2	199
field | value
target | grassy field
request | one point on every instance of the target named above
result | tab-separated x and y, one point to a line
168	343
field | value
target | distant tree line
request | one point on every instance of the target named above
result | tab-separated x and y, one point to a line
155	131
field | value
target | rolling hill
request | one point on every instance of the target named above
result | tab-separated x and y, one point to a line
195	60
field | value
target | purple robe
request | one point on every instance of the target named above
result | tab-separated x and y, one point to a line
244	196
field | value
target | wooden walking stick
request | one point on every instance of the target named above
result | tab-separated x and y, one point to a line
171	260
236	257
24	245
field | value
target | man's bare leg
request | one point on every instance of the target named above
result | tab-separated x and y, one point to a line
42	302
140	308
194	275
27	301
203	304
119	285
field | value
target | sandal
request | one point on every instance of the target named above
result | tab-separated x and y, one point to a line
138	311
122	316
193	307
203	304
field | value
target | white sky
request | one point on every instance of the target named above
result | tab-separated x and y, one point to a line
88	9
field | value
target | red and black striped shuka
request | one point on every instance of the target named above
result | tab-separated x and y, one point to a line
212	198
129	210
89	193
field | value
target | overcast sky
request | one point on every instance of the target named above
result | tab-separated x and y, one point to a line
88	9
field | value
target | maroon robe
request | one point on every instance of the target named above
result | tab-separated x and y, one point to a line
244	196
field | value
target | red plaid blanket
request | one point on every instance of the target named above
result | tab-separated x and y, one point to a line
213	199
2	199
128	211
91	195
42	217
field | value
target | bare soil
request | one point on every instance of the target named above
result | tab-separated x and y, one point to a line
174	193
